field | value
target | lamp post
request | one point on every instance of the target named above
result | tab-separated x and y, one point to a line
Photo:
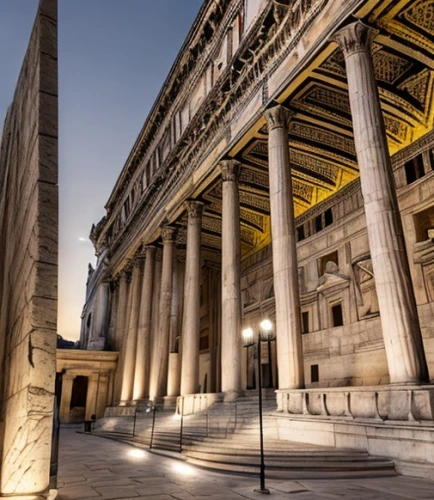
265	332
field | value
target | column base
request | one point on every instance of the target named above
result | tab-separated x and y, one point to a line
51	495
169	402
231	396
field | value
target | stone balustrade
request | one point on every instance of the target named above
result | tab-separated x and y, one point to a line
195	403
394	403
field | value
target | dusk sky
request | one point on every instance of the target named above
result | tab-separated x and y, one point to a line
114	56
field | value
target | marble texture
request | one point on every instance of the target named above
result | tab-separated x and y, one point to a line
285	269
191	315
231	286
141	372
130	339
397	304
160	355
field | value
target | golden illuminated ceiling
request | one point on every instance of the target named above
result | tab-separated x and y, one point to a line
322	152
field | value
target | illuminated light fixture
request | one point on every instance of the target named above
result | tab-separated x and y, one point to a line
266	325
247	334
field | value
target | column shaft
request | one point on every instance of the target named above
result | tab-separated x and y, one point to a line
231	287
191	316
398	311
130	342
65	401
141	375
285	269
161	352
92	391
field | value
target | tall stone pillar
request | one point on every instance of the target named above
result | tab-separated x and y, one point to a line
130	341
398	312
65	400
102	394
160	359
92	393
122	316
174	370
285	270
191	315
143	347
231	287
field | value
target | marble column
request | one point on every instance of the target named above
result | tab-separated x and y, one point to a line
92	392
65	400
285	269
161	352
121	313
231	287
191	315
143	347
130	340
122	316
102	395
174	370
398	312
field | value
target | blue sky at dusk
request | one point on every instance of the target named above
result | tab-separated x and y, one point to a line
113	59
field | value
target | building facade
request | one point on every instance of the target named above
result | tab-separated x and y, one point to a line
286	171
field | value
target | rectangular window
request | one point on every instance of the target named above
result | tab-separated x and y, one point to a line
314	373
337	317
305	322
318	223
300	233
330	257
414	169
328	217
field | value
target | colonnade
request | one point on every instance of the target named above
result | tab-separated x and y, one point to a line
145	377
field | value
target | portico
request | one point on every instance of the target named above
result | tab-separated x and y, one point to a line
296	188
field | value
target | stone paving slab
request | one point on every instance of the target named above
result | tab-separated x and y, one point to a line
93	468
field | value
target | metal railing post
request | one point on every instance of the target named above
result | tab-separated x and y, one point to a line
182	426
153	426
134	421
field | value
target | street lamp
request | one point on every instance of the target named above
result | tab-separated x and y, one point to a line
265	335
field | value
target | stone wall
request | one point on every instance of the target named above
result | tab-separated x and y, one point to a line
28	264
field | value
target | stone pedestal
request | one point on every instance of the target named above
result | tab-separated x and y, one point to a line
141	374
191	316
399	319
231	292
161	352
130	341
65	399
285	270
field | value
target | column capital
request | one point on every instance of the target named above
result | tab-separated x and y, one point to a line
168	234
230	170
355	37
277	117
194	209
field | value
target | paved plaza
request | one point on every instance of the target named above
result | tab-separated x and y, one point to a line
92	467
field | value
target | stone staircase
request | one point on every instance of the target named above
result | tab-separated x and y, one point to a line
225	437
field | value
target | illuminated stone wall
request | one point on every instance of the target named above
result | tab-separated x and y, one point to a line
28	264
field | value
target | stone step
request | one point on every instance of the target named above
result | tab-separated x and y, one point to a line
296	473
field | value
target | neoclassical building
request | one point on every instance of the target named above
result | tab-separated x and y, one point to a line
284	172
